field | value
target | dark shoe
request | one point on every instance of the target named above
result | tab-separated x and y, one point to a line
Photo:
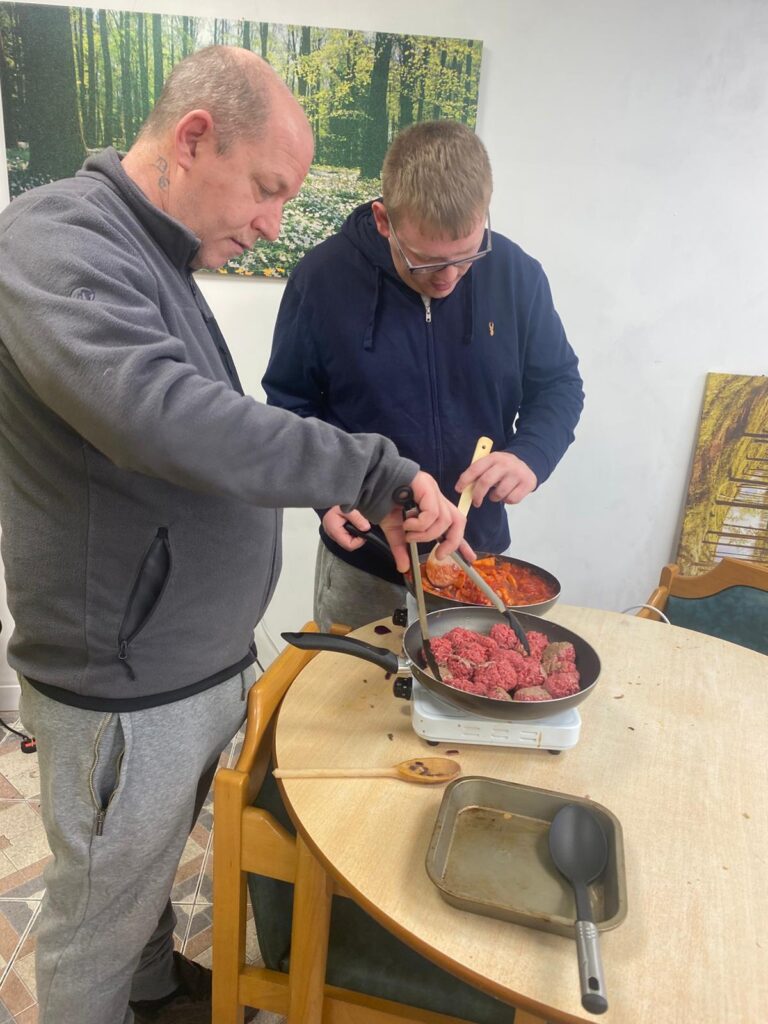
190	1003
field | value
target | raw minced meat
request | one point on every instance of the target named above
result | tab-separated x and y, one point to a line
562	684
496	665
533	693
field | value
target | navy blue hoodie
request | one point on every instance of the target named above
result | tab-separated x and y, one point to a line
357	347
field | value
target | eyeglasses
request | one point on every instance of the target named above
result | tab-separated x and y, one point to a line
432	268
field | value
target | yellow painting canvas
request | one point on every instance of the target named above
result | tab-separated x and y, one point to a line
726	509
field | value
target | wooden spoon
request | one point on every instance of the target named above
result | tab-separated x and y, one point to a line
425	769
441	572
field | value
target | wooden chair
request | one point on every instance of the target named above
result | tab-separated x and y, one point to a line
730	601
250	839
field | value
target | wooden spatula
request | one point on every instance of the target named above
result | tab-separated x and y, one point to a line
425	769
443	572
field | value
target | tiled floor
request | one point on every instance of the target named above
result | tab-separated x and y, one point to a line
24	854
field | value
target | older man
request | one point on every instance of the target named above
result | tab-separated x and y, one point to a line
140	502
418	322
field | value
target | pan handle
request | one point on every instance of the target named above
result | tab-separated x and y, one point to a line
380	656
370	536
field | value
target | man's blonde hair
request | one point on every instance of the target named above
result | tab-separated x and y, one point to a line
232	84
438	174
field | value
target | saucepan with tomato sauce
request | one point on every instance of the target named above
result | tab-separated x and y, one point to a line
521	585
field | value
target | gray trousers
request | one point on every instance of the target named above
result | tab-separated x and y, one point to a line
350	596
119	795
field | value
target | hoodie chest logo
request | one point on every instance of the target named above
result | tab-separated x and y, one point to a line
84	293
491	327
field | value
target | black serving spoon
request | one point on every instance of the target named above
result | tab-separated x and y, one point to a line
579	848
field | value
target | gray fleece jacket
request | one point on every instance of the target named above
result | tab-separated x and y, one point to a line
140	490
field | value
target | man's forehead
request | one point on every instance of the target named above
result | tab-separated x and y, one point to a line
428	237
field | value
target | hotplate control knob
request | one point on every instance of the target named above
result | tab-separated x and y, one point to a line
400	617
402	688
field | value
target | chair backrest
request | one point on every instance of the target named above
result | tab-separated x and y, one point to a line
730	601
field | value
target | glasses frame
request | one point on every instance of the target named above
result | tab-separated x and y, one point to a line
433	268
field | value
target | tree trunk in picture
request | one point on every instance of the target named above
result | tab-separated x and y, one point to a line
407	72
246	35
142	90
10	118
126	78
264	37
305	48
468	112
54	133
90	124
375	132
157	54
109	98
437	110
80	60
186	36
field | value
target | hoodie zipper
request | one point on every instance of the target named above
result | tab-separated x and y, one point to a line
433	381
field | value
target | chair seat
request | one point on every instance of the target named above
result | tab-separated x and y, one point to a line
738	614
362	955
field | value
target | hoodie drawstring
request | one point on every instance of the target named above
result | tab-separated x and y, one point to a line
368	336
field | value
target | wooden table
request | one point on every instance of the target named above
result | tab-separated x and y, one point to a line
673	741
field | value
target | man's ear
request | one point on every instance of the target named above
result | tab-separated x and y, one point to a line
381	218
194	128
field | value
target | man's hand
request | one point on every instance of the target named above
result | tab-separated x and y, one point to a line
501	476
333	524
438	518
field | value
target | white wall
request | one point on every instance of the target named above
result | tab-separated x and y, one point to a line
629	142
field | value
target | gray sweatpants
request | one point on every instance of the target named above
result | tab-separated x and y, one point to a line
349	596
119	795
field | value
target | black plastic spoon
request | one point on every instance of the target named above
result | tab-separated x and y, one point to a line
579	848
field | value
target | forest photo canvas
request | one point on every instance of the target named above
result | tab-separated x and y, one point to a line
78	79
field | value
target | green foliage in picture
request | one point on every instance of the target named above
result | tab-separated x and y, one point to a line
77	79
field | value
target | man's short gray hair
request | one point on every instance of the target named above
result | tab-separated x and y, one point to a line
438	174
231	86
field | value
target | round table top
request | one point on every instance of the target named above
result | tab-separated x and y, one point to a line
671	742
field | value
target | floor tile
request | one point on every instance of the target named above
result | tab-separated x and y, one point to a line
16	918
22	830
14	994
20	770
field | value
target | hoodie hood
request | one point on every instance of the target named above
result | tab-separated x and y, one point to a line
360	230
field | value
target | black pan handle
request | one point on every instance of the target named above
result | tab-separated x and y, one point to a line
370	536
380	656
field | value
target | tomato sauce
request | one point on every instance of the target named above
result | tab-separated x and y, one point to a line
517	585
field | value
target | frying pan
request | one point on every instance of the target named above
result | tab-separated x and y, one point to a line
437	603
480	620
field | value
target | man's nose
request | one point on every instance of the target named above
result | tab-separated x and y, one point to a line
447	275
268	220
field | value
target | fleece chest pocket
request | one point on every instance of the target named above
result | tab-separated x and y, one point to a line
147	591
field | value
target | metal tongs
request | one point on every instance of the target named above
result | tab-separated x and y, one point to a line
404	496
494	598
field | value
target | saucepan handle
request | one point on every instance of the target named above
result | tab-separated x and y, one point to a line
370	536
380	656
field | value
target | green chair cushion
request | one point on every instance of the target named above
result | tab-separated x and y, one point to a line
362	955
738	614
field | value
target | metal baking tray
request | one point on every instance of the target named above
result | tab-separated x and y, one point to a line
489	854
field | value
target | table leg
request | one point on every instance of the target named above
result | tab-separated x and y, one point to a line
313	890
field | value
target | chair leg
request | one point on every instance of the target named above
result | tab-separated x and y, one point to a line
313	891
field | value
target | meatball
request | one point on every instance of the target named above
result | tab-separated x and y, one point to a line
532	693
